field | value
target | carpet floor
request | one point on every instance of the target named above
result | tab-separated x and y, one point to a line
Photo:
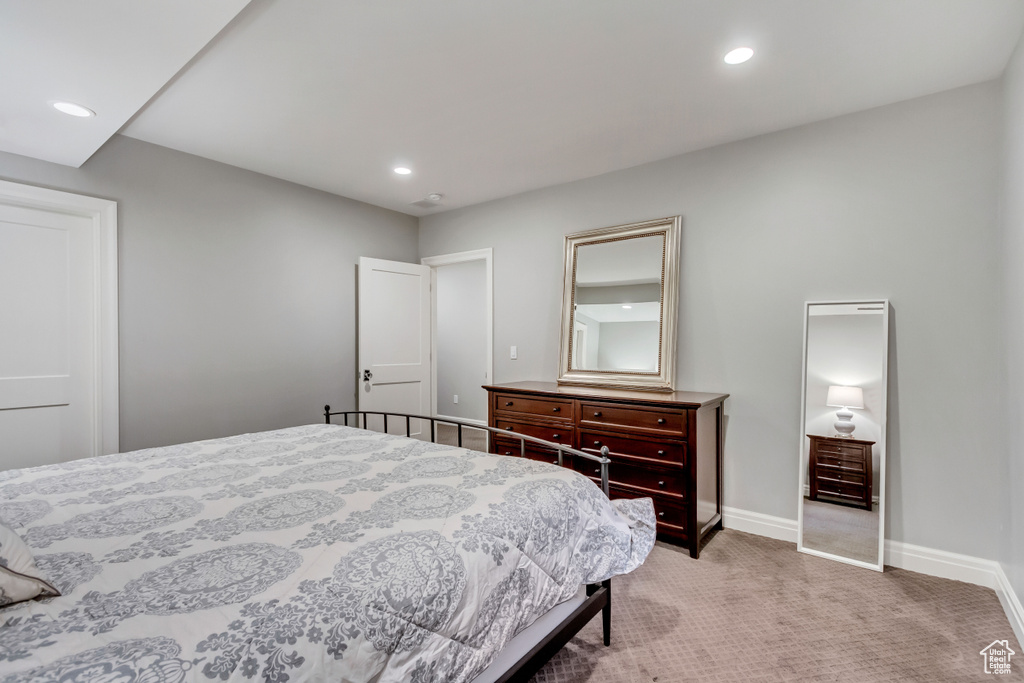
753	609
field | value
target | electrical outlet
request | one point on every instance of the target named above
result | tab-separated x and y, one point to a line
514	353
456	399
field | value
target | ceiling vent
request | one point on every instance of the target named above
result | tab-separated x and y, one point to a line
431	201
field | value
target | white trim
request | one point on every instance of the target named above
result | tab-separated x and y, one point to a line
103	214
778	528
1010	602
487	256
915	558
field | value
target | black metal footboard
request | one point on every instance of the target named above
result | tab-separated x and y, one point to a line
602	459
599	596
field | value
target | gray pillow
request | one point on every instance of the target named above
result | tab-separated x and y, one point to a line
20	579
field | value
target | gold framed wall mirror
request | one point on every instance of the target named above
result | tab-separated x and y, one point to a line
619	306
842	431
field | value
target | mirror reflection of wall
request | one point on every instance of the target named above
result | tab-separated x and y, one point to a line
617	305
842	472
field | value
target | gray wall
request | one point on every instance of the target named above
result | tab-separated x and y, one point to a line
898	202
1012	493
462	339
236	292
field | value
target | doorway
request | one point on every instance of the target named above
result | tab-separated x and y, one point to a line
462	333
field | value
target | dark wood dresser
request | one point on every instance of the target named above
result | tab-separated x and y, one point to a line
840	469
666	446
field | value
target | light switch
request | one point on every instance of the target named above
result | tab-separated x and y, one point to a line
456	399
514	353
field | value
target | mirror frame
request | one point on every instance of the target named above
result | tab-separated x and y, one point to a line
882	439
664	378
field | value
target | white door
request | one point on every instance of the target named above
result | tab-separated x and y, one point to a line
394	341
53	303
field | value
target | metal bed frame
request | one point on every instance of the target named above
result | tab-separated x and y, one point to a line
599	596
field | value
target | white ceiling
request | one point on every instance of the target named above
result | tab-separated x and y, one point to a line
480	99
111	56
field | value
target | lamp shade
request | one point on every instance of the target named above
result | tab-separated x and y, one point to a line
845	397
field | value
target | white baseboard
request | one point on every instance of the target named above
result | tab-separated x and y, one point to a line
1010	602
915	558
778	528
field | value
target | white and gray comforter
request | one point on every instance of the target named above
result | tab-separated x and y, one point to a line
307	554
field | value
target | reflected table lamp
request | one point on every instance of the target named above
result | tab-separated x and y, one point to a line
844	398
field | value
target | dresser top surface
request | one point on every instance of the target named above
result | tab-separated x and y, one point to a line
686	398
840	439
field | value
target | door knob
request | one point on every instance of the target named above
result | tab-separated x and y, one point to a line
367	375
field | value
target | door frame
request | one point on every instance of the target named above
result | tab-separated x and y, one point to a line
486	255
103	215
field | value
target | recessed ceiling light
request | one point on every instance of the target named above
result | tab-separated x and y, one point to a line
626	306
402	170
739	55
73	109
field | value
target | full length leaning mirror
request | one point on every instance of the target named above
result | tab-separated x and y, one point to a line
619	306
842	431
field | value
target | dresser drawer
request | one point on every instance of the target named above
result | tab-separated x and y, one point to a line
662	451
840	490
512	448
558	409
671	515
555	433
670	482
839	475
633	417
841	463
842	450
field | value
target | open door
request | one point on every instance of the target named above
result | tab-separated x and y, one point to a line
394	342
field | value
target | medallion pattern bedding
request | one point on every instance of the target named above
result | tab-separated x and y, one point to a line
307	554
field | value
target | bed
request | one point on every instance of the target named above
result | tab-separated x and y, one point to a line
321	552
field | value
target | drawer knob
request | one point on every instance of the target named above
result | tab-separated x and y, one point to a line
597	414
661	484
554	436
554	462
508	452
555	409
597	443
661	420
661	452
661	514
597	471
508	403
508	429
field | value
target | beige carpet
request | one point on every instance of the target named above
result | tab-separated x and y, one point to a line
754	609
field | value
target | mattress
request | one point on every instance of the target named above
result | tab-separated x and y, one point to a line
313	553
